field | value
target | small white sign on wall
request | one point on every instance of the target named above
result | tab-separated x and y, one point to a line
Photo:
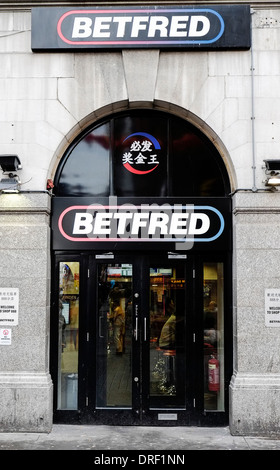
9	305
272	307
5	336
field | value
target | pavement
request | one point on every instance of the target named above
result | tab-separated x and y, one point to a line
127	441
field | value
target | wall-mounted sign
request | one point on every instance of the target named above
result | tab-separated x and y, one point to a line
211	26
272	307
152	223
143	151
5	336
9	305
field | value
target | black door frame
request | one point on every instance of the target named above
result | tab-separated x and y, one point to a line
141	415
141	412
127	416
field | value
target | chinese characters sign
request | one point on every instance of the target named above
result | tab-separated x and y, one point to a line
9	306
272	307
142	156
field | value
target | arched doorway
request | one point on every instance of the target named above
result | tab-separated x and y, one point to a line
141	275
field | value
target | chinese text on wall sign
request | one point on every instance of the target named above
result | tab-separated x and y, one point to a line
272	307
9	306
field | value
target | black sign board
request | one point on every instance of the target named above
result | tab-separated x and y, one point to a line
188	27
121	223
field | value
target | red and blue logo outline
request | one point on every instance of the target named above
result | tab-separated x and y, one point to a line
156	145
141	42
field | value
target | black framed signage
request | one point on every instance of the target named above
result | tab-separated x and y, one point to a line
152	223
188	27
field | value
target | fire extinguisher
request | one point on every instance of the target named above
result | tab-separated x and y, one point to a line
213	374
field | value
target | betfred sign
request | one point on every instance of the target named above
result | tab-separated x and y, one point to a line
143	27
97	222
90	226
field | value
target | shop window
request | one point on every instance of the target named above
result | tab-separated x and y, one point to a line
197	169
167	336
142	154
85	171
213	325
68	337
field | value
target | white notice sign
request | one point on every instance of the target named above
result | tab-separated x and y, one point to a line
5	336
272	307
9	305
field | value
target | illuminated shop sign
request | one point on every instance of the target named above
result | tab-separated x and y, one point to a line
94	224
98	223
224	26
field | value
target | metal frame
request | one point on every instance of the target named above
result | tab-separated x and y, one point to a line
140	414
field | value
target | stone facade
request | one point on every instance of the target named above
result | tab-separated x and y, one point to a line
255	385
46	99
25	383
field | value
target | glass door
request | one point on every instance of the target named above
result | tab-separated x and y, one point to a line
169	289
114	333
115	282
141	337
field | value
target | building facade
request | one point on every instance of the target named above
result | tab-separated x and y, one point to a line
138	226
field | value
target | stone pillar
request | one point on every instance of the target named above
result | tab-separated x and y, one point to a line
25	383
255	385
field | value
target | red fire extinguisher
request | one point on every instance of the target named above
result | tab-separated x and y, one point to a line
213	374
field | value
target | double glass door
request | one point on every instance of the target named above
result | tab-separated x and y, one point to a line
136	337
141	336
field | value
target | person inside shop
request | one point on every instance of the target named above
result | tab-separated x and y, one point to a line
167	339
119	326
210	333
62	325
210	325
168	346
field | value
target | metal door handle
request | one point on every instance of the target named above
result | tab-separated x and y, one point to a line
145	329
136	329
100	327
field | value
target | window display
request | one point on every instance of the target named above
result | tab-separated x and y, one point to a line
167	335
68	335
213	325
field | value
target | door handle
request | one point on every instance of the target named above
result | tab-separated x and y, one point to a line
136	329
100	327
145	329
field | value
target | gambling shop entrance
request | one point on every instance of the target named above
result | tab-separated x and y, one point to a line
141	311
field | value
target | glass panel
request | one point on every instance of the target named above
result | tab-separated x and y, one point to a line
153	154
201	164
167	342
213	336
114	330
86	170
68	338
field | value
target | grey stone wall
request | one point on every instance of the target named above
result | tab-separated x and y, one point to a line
25	383
255	385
